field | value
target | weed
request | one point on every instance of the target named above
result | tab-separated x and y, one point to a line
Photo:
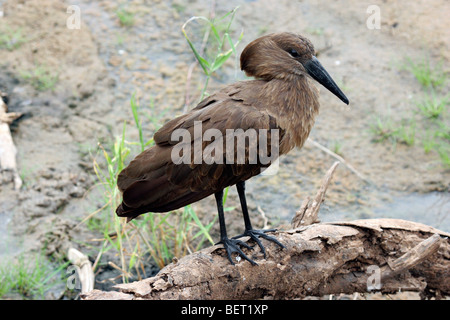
337	147
162	236
179	8
425	74
406	133
444	154
173	234
126	18
41	78
432	106
443	130
30	280
220	55
384	129
430	116
429	141
11	39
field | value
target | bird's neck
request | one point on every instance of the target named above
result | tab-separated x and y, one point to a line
295	103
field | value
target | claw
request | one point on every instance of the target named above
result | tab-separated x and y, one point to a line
231	245
255	234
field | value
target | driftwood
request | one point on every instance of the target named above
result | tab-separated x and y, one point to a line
83	269
376	255
7	148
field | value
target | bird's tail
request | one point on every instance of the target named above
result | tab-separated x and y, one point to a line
124	211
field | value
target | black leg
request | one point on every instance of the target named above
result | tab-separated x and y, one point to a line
249	231
230	245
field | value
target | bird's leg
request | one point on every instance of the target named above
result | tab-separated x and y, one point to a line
230	245
249	231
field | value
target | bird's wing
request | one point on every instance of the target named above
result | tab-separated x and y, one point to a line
155	181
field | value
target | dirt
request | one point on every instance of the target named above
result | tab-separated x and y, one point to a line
102	64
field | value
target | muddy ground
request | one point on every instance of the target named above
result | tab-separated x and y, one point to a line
102	64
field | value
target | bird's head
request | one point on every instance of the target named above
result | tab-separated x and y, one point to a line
283	56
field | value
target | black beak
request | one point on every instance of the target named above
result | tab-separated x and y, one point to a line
318	73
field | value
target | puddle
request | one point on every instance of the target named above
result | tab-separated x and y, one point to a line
432	209
8	245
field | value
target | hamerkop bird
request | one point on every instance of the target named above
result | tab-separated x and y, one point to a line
281	100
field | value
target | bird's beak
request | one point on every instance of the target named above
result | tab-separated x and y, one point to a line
318	72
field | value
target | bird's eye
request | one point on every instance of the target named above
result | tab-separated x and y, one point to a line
293	53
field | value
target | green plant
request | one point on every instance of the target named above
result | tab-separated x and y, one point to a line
432	106
425	73
220	37
126	18
179	8
430	115
155	116
443	130
27	278
162	236
429	141
406	132
383	129
173	234
444	154
337	147
41	78
11	39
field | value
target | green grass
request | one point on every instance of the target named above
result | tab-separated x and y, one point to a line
179	8
383	129
433	135
444	154
337	147
433	105
30	279
11	39
160	236
425	73
126	18
428	122
218	54
41	78
406	131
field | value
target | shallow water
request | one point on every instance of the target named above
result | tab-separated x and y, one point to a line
432	209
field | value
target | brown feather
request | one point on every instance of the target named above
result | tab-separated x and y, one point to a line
277	99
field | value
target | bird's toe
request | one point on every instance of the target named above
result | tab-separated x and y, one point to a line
256	234
232	246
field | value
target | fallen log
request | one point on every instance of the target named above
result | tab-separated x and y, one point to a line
374	255
384	255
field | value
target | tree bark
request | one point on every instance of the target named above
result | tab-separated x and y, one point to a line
385	255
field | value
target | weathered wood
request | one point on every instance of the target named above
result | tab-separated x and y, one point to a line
309	211
385	255
8	150
84	269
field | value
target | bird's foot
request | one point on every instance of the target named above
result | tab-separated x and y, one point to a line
255	234
232	245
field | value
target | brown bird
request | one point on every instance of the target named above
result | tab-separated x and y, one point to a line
279	105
